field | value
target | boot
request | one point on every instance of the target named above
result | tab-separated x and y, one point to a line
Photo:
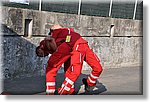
87	87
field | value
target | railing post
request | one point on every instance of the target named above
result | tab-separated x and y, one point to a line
79	8
110	8
135	9
40	5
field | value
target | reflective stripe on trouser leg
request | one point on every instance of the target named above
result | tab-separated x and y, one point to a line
51	76
50	88
91	80
67	87
94	62
50	81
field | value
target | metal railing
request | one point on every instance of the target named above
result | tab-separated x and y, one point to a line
130	9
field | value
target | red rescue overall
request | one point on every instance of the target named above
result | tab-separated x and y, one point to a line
81	52
60	56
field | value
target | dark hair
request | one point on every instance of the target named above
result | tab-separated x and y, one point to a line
45	53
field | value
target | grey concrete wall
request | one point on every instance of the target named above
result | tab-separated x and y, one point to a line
121	49
20	59
117	52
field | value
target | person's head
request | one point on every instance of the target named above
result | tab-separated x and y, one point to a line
54	27
40	52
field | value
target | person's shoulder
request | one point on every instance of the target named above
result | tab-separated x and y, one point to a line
64	29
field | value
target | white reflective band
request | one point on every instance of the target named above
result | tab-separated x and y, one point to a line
69	81
96	57
50	83
72	68
50	91
63	87
77	47
66	88
69	31
80	57
72	86
91	80
95	77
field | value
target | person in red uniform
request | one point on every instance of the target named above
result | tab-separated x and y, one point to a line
72	50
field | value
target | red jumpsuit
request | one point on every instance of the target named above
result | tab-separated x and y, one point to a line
72	54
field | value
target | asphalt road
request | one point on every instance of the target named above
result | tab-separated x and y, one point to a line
114	81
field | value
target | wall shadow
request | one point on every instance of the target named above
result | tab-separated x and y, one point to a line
36	86
19	62
22	69
79	86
